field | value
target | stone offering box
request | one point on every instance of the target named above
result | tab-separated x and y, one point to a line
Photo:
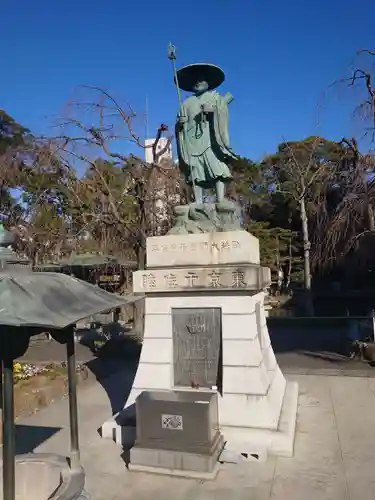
205	331
179	431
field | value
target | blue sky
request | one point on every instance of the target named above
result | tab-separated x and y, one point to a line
279	59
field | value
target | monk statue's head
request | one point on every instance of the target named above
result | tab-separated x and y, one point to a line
200	87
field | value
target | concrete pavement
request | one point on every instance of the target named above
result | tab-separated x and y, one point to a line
334	450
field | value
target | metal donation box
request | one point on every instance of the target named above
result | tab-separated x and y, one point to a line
177	420
177	430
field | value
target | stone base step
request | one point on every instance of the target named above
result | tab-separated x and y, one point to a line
177	463
240	440
205	476
279	442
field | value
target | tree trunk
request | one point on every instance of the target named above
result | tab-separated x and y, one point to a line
141	257
309	307
289	272
371	217
139	306
35	258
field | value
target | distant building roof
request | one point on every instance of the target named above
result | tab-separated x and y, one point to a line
87	260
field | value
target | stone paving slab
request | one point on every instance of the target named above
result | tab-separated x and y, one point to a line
334	451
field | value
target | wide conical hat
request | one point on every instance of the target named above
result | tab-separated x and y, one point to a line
189	75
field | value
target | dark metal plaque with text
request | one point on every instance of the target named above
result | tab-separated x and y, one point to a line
196	346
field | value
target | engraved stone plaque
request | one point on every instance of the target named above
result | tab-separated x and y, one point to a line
214	279
196	346
203	249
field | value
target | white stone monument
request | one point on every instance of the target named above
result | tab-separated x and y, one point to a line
216	276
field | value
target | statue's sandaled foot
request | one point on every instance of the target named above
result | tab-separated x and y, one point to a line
226	206
228	215
182	218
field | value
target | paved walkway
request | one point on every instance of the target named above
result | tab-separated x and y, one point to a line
334	450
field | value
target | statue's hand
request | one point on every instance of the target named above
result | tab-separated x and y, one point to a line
182	119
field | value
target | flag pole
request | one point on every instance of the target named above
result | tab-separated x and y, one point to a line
172	57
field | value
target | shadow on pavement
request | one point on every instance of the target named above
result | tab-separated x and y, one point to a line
114	365
115	369
332	357
319	334
29	437
320	345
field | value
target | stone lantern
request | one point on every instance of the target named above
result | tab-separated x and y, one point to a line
31	303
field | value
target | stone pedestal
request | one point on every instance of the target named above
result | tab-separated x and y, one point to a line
177	431
211	287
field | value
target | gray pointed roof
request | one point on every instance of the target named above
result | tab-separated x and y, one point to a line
52	300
